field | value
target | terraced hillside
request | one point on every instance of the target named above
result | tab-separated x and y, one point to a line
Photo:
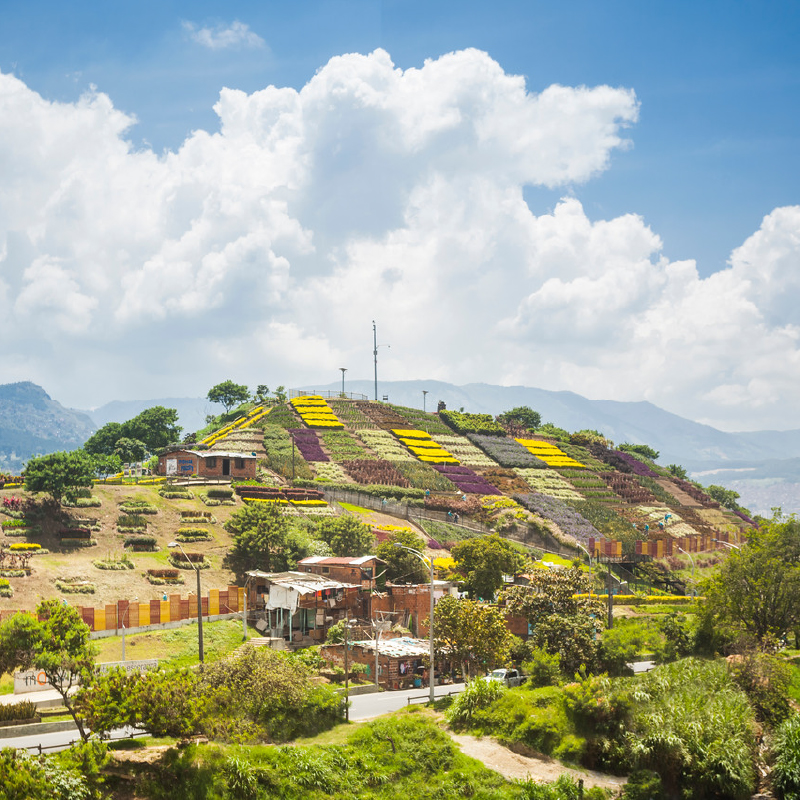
439	469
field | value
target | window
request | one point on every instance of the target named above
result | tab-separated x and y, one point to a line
239	463
326	570
211	463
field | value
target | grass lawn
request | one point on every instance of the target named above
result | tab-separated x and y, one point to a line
176	647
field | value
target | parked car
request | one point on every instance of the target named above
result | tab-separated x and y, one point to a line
508	677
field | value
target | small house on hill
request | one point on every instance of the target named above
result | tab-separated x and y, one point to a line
362	570
207	464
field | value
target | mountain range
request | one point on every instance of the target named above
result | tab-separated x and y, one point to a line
763	466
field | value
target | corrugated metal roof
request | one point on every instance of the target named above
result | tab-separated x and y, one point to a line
302	582
340	561
402	647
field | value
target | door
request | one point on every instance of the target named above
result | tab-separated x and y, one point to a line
226	466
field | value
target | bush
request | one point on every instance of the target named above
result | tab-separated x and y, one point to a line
543	669
786	754
765	679
220	494
643	784
477	695
114	563
25	709
141	543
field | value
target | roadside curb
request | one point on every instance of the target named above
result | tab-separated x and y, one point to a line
16	731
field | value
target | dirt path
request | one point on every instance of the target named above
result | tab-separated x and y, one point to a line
513	766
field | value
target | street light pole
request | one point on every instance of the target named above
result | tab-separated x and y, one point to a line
424	398
375	356
727	544
343	369
692	560
591	579
199	602
122	622
428	561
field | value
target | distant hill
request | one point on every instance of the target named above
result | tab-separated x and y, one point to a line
32	423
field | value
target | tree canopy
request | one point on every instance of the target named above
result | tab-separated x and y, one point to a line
264	539
483	562
228	394
756	589
129	450
346	536
59	474
402	566
521	417
641	450
155	427
55	641
563	617
472	634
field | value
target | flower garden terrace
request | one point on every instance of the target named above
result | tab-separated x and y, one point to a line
454	475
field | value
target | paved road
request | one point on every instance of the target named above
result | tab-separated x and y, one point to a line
364	706
61	740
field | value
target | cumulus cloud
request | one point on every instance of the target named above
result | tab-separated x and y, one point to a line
221	37
267	248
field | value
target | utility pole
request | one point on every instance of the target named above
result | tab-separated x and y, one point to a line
346	669
375	356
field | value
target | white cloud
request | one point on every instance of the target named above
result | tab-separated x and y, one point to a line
221	37
264	251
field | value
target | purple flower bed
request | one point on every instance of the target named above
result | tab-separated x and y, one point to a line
636	466
434	545
569	520
747	519
506	452
466	480
307	443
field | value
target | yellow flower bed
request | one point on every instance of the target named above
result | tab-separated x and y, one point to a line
278	501
308	502
550	454
25	546
315	412
426	449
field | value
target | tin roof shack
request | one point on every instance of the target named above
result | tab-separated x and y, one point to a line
361	570
399	660
298	606
207	464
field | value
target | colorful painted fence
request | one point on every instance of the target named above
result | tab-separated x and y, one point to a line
114	616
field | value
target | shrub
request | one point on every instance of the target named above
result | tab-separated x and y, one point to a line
477	695
543	669
131	522
220	493
141	543
74	586
786	754
765	679
25	709
114	563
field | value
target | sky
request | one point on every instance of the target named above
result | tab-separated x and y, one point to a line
599	197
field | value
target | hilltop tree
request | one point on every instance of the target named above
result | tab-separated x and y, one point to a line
228	394
346	536
156	427
107	465
521	417
104	440
59	474
483	562
129	450
677	471
262	393
725	497
264	539
640	450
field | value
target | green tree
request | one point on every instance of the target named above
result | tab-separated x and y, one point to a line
130	450
229	394
280	394
103	440
521	417
346	535
757	587
264	539
471	634
107	465
725	497
156	427
563	618
553	431
55	641
402	566
677	471
59	474
641	450
483	562
262	393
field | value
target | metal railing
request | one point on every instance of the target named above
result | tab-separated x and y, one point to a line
332	395
40	748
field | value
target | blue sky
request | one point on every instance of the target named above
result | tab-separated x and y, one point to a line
716	148
625	224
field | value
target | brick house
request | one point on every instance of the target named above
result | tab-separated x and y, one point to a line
362	570
207	464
